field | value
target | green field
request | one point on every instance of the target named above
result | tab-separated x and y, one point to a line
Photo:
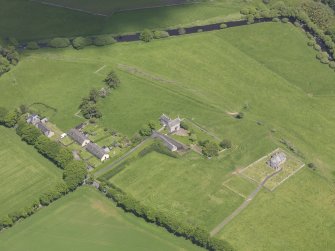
25	174
298	216
190	189
265	70
85	220
58	84
106	7
51	21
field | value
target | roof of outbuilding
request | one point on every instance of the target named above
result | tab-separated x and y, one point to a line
42	127
96	150
77	136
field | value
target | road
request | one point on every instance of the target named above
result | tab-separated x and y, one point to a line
118	161
219	227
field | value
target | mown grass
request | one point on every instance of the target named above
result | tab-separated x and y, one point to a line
85	220
25	174
186	188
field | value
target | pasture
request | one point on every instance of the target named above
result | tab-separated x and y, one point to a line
49	21
106	7
86	220
59	85
25	174
190	189
299	215
267	71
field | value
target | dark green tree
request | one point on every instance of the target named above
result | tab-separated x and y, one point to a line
147	35
211	149
74	174
112	80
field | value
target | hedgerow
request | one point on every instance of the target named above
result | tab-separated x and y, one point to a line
196	234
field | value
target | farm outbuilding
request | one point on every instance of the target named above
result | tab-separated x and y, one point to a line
97	151
79	137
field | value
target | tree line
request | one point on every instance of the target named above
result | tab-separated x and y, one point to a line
9	57
74	172
315	16
196	234
88	105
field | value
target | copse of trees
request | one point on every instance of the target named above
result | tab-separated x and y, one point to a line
8	56
225	144
210	149
160	34
147	35
59	42
81	42
4	65
88	105
313	16
32	46
27	132
9	118
102	40
112	80
74	174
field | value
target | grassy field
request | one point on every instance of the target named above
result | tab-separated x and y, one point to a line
298	216
24	173
265	70
58	84
186	188
106	7
51	21
85	220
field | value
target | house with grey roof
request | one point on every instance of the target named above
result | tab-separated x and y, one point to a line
172	144
44	129
97	151
78	137
276	160
35	120
169	124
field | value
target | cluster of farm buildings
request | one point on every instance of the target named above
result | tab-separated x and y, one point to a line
74	134
102	153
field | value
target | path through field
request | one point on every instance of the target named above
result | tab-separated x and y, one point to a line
118	161
219	227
